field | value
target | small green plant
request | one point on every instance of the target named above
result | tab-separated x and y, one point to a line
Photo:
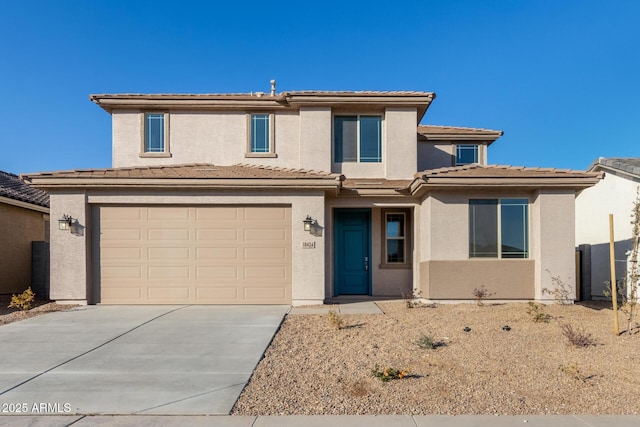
426	342
577	337
481	294
335	320
536	311
386	374
22	301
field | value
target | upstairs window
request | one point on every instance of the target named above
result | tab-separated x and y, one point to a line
154	133
261	136
260	133
357	139
466	154
499	228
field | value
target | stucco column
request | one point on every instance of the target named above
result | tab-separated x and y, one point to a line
552	241
69	248
308	250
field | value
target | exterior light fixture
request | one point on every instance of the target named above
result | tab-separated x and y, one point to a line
308	222
65	222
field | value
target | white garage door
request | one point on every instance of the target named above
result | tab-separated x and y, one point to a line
195	255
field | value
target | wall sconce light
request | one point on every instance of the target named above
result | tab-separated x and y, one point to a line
308	222
65	223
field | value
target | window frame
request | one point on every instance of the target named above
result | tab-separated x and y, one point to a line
476	148
358	117
406	264
500	203
144	131
270	133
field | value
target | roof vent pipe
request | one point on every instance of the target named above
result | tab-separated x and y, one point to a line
273	87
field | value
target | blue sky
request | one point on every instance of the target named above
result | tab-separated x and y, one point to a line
560	78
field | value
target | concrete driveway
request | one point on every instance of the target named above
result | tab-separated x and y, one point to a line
133	359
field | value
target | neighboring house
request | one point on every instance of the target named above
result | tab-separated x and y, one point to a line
24	218
615	194
302	196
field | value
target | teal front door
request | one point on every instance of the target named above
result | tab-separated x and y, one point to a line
352	251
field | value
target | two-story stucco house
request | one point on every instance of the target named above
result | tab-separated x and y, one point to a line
302	196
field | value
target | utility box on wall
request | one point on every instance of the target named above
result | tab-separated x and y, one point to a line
40	269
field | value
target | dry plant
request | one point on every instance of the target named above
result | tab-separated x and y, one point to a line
386	374
411	298
536	311
562	291
336	321
358	388
573	370
481	294
577	337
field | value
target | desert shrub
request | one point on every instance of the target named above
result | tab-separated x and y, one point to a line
536	311
577	337
481	294
335	320
22	301
562	291
386	374
573	370
411	298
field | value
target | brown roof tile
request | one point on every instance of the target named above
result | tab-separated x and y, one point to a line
370	183
190	171
428	130
498	171
12	187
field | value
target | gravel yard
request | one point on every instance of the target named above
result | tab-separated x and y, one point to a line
313	368
9	315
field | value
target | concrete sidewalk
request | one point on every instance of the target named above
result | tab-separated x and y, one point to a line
328	420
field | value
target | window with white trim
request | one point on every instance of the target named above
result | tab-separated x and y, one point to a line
154	133
499	228
357	138
466	154
260	133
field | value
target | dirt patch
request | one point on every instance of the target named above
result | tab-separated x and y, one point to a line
9	315
529	368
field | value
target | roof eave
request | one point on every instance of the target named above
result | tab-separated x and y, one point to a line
572	183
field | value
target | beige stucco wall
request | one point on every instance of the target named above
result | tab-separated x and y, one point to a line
303	139
69	252
444	236
612	195
18	228
315	138
400	143
71	269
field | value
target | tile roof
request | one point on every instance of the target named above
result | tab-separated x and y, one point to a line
456	130
12	187
498	171
630	165
253	95
371	183
190	171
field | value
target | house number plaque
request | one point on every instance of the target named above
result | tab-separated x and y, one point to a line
308	245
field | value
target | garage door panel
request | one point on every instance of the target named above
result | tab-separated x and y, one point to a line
167	293
222	253
222	272
167	252
218	214
191	255
267	252
167	213
217	234
164	234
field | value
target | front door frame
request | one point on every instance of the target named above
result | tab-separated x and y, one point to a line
338	237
